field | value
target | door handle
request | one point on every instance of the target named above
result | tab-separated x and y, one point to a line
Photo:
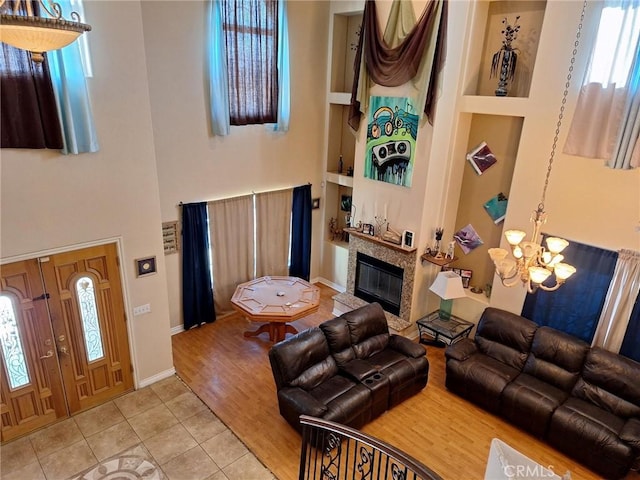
48	355
63	350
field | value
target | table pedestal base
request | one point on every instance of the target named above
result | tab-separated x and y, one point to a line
276	330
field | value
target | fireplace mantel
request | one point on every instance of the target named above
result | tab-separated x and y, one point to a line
379	241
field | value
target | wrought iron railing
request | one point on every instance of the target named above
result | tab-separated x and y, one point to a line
331	451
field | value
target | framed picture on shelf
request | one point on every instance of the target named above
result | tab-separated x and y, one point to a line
367	229
466	277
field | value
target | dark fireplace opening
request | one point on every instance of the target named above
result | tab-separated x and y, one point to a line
378	281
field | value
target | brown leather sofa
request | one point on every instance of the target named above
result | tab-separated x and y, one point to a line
348	370
584	401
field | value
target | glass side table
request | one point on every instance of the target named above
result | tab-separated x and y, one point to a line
439	332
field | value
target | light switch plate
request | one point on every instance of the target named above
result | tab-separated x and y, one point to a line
142	309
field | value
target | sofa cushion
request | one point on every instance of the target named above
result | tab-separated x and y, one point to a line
631	433
302	360
591	435
385	358
339	339
610	382
332	388
368	328
556	357
480	379
529	402
353	407
505	336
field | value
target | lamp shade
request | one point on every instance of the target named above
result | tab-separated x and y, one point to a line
448	285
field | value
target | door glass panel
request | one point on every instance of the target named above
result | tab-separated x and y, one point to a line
89	316
12	344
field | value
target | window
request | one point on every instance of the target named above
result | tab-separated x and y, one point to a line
606	123
89	316
12	350
615	46
248	64
251	38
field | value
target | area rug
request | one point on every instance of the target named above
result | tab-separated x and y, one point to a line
133	464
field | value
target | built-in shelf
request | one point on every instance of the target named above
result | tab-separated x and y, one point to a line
511	106
477	297
339	98
438	261
339	179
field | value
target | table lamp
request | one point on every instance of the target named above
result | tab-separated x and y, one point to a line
447	285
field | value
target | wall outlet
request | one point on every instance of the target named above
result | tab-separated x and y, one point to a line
142	309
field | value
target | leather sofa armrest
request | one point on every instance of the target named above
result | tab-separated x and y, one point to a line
631	433
301	402
461	350
357	369
406	347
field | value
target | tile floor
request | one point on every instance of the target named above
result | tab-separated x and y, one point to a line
165	421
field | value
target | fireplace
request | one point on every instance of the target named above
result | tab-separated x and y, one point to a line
378	281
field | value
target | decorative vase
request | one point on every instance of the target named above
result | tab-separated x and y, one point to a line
505	59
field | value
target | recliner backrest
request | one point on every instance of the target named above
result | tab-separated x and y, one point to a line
505	336
339	338
556	358
369	330
610	381
302	361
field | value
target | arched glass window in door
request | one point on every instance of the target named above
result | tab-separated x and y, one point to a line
12	350
89	317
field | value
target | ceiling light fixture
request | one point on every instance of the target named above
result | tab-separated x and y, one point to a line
530	263
38	34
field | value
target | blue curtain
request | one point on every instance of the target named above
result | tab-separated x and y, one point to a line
284	100
72	97
301	233
631	343
197	291
217	66
575	307
217	58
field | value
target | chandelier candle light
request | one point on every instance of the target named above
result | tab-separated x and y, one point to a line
531	263
38	34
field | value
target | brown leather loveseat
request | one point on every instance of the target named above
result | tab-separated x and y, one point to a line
584	401
348	370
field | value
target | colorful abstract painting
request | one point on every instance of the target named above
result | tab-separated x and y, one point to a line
391	140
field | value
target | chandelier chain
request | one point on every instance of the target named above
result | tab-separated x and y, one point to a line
562	107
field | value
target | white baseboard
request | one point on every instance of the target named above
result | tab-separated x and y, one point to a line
329	283
177	329
156	378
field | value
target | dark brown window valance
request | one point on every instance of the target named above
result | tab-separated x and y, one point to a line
396	64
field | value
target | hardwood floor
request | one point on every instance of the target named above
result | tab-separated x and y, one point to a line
231	374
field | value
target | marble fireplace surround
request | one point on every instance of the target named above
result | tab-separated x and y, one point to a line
396	255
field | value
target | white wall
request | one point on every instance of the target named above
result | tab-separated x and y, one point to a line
53	201
192	165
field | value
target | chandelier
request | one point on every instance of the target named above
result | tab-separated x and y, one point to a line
38	34
530	263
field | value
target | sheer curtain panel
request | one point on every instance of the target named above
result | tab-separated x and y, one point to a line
197	294
28	115
72	96
621	297
273	224
231	230
217	66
